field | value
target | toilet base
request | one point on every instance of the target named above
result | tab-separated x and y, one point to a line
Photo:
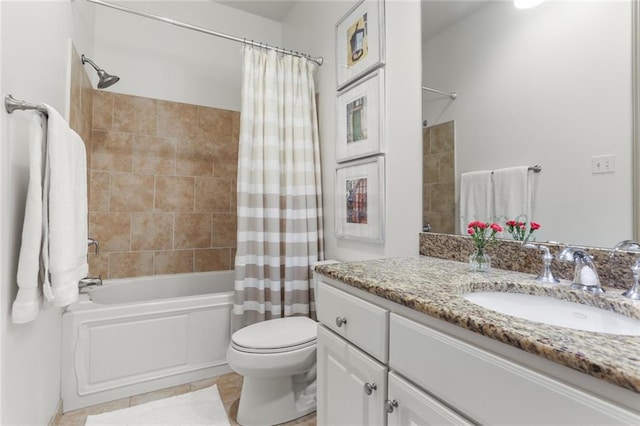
280	399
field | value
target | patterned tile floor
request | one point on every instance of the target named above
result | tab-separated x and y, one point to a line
229	386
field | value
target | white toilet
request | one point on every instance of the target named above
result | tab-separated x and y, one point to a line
278	361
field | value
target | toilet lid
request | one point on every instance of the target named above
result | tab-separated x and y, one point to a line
281	333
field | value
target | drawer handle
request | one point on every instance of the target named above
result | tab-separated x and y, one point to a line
390	405
340	321
369	388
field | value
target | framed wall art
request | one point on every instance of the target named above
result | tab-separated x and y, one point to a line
360	118
360	200
360	41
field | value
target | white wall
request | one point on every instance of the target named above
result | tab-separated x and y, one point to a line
548	86
34	57
316	36
163	61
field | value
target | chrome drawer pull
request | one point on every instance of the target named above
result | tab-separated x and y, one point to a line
369	388
390	405
340	321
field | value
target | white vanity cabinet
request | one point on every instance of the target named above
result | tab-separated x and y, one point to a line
377	367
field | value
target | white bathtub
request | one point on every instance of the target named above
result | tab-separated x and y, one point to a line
136	335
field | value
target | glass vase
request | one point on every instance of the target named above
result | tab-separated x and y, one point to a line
479	261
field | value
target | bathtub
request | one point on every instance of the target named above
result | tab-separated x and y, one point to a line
136	335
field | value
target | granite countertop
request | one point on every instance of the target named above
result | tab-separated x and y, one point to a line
435	287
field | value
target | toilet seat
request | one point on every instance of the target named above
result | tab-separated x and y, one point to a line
276	336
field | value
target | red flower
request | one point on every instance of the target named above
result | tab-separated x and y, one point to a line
534	226
470	231
496	227
511	223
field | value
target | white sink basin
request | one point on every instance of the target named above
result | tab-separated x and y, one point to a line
551	311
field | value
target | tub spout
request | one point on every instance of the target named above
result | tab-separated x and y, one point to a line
90	281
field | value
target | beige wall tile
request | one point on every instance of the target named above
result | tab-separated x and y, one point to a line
130	264
151	231
213	194
223	230
212	260
431	168
102	110
215	124
154	155
99	265
442	197
131	193
112	230
194	157
111	151
134	114
174	193
99	191
193	230
225	159
177	120
173	262
442	137
447	167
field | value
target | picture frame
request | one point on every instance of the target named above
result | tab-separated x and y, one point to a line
360	200
360	118
360	41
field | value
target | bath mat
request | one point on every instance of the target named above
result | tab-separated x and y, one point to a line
202	407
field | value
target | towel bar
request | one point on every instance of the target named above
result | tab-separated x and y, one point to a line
11	104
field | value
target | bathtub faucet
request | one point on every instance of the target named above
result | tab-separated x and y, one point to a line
90	281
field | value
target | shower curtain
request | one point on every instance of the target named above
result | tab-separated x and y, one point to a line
279	189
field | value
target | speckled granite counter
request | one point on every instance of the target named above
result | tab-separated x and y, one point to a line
435	287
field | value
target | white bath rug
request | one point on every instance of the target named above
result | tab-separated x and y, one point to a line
203	407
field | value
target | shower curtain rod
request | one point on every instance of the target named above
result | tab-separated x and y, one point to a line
428	89
317	60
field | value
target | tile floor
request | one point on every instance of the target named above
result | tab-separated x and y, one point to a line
229	386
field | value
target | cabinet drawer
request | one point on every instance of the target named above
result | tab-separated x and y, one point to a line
366	326
414	407
481	385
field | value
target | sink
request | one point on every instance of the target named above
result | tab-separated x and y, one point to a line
551	311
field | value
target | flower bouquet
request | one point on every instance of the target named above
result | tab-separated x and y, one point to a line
483	234
519	230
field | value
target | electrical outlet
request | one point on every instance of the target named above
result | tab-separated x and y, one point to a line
603	164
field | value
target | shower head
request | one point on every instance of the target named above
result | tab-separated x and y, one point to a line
105	79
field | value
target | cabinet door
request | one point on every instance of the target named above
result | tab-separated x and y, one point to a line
411	406
351	385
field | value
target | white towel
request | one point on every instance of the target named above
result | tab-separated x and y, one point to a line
67	220
476	198
54	235
27	304
513	189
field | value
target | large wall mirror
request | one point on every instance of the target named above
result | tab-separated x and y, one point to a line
551	86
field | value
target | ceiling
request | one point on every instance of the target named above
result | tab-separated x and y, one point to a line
436	14
276	10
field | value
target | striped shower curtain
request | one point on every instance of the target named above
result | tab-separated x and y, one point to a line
279	189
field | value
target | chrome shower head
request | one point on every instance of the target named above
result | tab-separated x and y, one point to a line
105	79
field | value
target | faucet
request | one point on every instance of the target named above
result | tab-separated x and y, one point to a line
545	276
585	276
90	281
93	242
634	291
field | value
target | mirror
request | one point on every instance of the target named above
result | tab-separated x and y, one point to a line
549	86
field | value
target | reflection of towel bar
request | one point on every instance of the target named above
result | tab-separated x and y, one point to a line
535	169
452	95
11	104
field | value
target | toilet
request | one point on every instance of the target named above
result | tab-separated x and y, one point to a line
277	359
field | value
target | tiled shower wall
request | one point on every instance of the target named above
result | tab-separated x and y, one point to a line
438	178
162	186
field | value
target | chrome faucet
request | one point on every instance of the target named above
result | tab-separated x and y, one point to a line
585	276
545	276
634	291
90	282
92	242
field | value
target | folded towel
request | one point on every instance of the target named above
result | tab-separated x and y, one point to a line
27	304
476	198
513	189
67	213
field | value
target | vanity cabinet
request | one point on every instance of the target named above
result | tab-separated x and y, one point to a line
375	366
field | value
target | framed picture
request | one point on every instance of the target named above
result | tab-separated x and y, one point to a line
360	200
360	118
360	41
